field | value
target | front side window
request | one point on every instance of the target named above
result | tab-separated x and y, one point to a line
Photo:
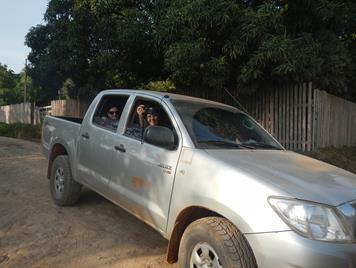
217	126
109	110
147	113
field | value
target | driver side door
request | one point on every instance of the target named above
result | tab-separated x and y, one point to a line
143	174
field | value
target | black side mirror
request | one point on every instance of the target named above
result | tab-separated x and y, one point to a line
160	136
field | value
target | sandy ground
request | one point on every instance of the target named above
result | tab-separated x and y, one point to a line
36	233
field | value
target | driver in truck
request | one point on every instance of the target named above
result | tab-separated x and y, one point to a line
148	116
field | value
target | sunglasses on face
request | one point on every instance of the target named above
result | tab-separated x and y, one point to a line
113	112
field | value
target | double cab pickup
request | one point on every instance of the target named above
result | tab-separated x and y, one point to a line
208	177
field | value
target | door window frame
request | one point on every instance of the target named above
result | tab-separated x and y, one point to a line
122	114
158	102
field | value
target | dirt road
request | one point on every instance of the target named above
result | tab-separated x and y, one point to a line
36	233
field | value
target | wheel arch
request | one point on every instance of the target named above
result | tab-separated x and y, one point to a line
187	214
185	217
57	149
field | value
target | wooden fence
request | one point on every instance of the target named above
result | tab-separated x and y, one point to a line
72	108
25	113
300	117
336	121
288	113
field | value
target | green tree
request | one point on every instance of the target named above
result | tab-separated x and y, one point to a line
31	91
97	44
50	47
253	45
68	89
12	87
8	94
332	26
204	44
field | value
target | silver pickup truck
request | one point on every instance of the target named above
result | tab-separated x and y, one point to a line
206	176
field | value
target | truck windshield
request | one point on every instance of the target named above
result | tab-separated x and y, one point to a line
214	126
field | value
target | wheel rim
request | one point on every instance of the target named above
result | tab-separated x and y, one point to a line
59	181
204	256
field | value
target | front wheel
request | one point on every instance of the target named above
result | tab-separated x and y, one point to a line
214	242
64	190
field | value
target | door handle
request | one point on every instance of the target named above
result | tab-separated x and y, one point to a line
86	135
120	148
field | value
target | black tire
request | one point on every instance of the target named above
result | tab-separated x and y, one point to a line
64	190
222	242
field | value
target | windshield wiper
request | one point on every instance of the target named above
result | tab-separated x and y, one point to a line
262	145
226	143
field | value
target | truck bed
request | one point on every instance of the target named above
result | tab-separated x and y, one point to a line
64	130
72	119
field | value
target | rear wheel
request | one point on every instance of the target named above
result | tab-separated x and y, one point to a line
214	242
64	190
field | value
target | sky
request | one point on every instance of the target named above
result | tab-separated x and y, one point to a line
16	19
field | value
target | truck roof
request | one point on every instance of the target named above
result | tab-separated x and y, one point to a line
159	94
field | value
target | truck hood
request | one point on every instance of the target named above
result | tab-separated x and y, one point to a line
300	176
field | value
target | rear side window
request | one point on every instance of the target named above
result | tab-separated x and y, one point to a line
109	110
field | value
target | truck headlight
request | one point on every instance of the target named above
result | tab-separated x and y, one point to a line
312	220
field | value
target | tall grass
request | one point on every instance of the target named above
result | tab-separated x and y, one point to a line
21	131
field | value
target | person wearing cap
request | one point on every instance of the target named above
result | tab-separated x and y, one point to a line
148	116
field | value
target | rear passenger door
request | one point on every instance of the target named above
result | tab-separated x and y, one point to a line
96	143
143	174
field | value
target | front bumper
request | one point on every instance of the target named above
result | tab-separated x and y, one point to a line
288	249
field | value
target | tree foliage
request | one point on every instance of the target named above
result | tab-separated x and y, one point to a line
255	44
96	44
12	87
88	45
7	82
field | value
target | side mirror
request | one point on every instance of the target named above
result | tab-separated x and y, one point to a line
160	136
